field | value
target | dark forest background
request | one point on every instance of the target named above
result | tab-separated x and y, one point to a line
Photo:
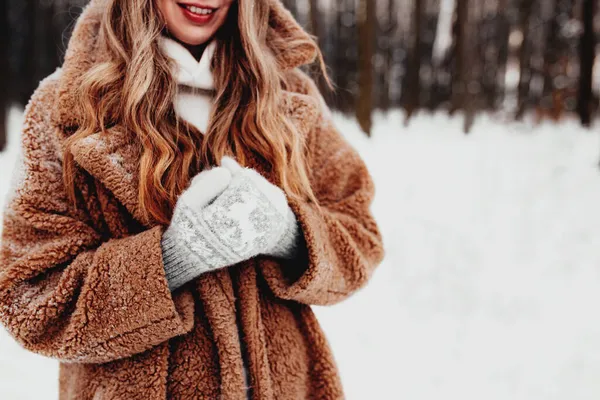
517	56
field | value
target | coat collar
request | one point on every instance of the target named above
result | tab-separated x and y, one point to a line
112	156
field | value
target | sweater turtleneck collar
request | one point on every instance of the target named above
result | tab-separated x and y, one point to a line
190	72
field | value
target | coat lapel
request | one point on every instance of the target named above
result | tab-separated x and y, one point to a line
113	158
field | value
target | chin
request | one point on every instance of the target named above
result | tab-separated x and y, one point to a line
194	39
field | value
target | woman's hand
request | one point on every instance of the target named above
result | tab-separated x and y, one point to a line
270	225
228	215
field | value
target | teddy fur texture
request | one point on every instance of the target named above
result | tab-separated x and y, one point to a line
85	284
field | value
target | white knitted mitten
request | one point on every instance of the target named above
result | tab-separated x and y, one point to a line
284	228
203	189
250	217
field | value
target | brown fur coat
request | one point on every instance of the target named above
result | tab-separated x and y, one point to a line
86	284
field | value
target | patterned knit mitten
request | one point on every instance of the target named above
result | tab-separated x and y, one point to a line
250	217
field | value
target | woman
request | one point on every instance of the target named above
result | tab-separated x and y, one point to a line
183	200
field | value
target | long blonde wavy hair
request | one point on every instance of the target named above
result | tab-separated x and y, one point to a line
135	89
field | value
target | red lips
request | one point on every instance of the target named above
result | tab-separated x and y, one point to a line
199	19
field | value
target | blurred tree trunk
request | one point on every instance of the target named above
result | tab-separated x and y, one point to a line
472	64
587	53
502	44
390	34
366	30
524	58
54	32
314	17
345	64
337	60
551	57
315	27
414	63
4	73
459	76
493	51
29	71
434	94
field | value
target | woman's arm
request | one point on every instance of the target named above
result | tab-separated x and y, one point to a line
64	291
343	242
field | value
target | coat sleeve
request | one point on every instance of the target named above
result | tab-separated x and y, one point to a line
65	292
343	244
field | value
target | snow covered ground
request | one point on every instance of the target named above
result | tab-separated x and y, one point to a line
492	277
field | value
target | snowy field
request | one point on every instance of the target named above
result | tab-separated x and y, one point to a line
492	277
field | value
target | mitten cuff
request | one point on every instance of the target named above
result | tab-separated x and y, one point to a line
176	259
290	244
